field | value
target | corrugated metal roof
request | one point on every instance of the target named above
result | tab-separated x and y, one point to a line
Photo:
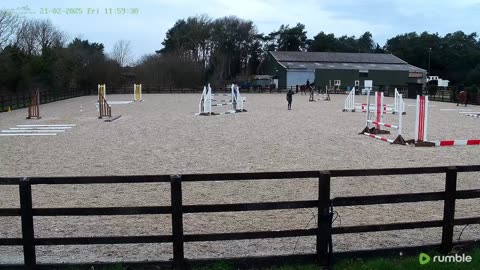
332	57
359	66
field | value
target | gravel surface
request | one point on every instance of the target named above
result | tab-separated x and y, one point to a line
162	136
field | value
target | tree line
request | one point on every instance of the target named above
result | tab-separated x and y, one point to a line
200	49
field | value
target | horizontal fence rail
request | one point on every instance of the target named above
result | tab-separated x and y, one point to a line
323	231
22	100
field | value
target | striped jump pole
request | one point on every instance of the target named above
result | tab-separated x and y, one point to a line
378	122
377	117
473	115
34	107
456	142
422	124
378	107
378	137
387	108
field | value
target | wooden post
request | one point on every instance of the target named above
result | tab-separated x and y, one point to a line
177	222
103	107
323	232
33	108
449	209
28	235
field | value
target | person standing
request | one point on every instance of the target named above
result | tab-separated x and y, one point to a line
290	94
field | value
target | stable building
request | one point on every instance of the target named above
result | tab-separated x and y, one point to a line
344	70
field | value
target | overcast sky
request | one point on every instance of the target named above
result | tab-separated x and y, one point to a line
146	30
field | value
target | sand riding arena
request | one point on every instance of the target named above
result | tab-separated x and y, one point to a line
162	135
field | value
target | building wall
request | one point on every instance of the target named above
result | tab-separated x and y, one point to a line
299	77
381	78
271	67
327	76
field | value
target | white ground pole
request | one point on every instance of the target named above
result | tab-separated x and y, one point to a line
28	134
66	125
36	130
120	102
39	128
31	130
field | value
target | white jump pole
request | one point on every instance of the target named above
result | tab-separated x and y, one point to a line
209	99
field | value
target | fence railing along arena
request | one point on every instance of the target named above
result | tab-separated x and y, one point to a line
323	232
34	108
23	100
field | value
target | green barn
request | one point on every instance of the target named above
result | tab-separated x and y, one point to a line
346	69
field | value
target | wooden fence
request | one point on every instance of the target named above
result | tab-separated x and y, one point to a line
22	100
177	209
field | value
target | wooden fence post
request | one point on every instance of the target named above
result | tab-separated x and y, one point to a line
323	228
449	209
28	235
177	221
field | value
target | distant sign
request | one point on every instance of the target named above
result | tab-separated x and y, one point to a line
415	75
368	84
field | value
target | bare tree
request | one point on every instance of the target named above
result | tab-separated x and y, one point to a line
26	38
122	52
48	35
9	24
34	36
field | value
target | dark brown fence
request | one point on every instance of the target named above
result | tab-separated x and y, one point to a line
176	209
156	89
22	100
